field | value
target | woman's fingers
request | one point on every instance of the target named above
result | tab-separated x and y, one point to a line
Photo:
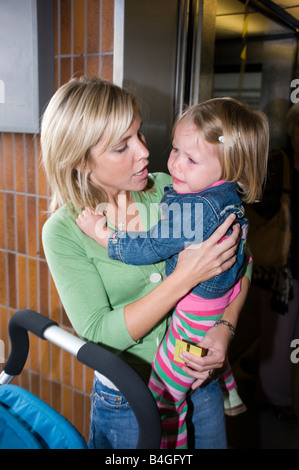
201	377
227	247
224	247
221	231
193	369
200	365
200	262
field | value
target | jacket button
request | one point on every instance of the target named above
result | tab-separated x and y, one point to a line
155	277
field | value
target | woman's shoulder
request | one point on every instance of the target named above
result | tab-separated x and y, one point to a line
160	178
158	182
59	222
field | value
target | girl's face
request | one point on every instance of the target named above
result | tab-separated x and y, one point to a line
121	167
193	162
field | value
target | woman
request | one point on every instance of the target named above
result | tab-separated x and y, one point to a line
94	152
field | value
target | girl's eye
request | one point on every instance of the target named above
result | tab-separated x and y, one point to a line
191	161
141	136
174	149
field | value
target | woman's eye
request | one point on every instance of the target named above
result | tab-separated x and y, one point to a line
121	149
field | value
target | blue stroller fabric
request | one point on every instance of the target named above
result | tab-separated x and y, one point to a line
26	422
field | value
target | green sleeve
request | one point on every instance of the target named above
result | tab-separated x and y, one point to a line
94	289
81	287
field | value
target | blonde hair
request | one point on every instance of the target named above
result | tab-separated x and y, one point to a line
242	137
73	123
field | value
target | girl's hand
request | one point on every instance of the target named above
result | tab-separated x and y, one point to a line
198	263
94	225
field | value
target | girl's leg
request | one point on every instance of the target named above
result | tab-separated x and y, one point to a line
172	412
226	379
233	405
168	383
169	386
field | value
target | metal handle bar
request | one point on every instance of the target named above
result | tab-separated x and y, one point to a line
94	356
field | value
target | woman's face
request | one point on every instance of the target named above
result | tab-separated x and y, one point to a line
121	167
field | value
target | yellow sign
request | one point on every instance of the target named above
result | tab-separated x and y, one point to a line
184	346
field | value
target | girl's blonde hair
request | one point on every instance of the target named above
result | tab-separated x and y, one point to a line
242	138
73	123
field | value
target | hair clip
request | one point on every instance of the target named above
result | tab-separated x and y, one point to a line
235	135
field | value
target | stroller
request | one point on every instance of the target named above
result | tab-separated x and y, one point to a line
26	422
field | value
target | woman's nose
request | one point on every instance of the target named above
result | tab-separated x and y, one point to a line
142	151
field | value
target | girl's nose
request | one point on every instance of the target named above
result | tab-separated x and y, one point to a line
176	163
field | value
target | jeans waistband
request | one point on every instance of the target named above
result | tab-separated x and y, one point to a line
105	381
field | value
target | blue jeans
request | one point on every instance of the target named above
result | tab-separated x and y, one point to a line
113	424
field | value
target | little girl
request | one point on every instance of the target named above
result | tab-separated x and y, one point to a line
218	159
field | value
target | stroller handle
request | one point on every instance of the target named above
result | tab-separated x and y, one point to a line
123	376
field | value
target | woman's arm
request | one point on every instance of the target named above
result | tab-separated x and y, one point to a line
216	340
100	296
195	265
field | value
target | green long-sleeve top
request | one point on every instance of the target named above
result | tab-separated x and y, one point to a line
95	289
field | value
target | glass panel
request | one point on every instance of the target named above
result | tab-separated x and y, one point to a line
263	77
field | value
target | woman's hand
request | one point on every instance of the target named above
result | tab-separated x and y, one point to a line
198	263
216	340
195	265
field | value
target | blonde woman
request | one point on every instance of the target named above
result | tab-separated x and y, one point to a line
94	152
219	158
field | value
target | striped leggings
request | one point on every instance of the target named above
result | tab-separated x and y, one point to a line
170	384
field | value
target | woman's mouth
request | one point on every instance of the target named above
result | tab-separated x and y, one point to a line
142	174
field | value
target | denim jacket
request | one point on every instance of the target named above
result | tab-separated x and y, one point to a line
186	219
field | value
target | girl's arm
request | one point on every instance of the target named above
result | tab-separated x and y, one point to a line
87	286
195	265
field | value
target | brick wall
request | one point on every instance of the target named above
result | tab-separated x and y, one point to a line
83	32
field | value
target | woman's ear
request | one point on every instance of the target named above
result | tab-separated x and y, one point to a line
82	167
